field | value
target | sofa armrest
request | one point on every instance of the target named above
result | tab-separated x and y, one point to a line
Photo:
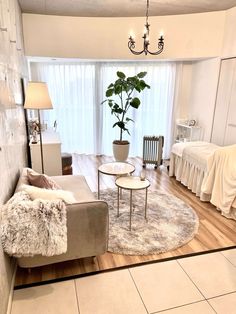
87	234
87	228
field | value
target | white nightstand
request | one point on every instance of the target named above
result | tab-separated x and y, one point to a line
51	154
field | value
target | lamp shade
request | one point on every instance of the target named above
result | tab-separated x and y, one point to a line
37	96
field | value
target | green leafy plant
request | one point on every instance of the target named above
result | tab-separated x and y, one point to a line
124	87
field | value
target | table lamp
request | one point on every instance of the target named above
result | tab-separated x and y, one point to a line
36	98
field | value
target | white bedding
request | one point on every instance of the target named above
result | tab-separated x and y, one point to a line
178	148
220	180
190	167
188	163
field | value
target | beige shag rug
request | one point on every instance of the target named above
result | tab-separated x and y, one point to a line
170	223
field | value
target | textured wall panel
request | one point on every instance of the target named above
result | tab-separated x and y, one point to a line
12	123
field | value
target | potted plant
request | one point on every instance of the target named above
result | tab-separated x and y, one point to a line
123	88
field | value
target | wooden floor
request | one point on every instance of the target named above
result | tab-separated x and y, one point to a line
215	231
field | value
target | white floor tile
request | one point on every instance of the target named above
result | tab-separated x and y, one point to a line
164	285
230	255
225	304
58	298
212	273
112	292
196	308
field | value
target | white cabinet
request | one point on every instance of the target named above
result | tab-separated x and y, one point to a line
187	133
224	124
51	154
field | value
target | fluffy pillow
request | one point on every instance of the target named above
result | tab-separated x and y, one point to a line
45	194
41	180
19	197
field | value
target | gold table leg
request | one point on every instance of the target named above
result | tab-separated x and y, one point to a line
130	211
146	204
98	184
118	202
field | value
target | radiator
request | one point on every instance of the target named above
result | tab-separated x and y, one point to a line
152	150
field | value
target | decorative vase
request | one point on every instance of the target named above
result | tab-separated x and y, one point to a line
121	150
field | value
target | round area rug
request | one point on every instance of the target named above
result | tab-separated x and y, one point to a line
170	223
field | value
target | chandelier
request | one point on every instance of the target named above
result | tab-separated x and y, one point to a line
146	43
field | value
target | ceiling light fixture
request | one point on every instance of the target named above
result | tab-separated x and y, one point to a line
146	43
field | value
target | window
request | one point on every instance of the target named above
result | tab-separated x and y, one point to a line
85	126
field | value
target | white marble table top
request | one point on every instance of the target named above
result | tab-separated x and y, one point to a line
132	183
116	168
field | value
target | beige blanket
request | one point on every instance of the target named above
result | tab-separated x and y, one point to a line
220	180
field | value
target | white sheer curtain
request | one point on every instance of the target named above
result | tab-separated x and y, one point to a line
154	116
72	90
85	125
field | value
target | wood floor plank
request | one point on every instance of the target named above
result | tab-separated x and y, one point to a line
215	231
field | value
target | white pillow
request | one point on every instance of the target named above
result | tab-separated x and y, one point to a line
45	194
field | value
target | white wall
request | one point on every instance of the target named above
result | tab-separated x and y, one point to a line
229	42
186	36
183	89
200	78
203	94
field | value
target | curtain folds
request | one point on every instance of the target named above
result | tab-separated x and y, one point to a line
85	126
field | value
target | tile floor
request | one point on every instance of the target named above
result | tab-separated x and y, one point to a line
203	284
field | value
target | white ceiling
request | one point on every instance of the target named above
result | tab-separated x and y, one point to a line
112	8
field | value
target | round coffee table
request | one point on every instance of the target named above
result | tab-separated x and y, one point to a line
132	183
115	168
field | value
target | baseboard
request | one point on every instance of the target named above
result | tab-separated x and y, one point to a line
11	289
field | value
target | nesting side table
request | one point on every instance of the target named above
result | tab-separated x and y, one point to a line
114	169
132	183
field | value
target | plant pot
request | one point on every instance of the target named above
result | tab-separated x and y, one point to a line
120	150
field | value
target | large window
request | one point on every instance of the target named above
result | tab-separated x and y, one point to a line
85	126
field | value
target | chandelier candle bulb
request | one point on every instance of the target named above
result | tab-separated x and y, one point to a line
132	35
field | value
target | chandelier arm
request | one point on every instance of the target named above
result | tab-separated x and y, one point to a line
155	53
145	50
131	46
136	52
160	47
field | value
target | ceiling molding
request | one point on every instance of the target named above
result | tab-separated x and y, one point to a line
122	8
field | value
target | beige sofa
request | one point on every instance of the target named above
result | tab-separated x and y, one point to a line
87	223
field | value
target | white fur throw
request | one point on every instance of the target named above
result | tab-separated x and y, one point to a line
45	194
33	227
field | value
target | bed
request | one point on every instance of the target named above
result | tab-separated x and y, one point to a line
209	171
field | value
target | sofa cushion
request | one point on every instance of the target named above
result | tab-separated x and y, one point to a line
46	194
41	180
77	185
